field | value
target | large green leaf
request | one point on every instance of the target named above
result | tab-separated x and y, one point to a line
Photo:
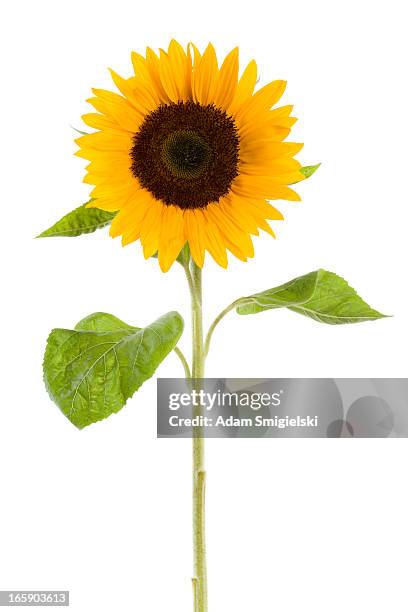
320	295
91	372
82	220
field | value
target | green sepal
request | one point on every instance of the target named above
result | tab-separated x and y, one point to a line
90	372
79	221
320	295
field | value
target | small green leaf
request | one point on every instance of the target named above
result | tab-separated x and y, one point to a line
320	295
82	220
91	372
309	170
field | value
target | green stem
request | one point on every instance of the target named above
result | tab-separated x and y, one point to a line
193	273
184	362
217	320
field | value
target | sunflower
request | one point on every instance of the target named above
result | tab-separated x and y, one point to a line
188	152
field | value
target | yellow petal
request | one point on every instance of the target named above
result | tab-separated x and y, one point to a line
245	88
195	241
212	239
262	209
150	228
172	236
115	107
140	66
270	167
263	187
228	226
196	53
262	150
260	102
173	73
153	66
109	163
281	111
130	217
114	187
99	122
228	80
143	99
130	236
108	140
176	70
205	77
238	208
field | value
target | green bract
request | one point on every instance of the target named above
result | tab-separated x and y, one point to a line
309	170
79	221
91	371
320	295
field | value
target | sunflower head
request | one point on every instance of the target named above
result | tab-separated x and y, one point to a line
189	152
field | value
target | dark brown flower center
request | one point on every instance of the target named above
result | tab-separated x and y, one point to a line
186	154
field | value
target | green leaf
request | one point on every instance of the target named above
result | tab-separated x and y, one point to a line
320	295
91	372
82	220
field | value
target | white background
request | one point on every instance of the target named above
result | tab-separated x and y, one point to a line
311	525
